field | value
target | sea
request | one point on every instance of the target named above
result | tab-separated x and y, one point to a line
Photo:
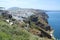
54	21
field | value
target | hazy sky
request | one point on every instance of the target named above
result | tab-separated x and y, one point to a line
36	4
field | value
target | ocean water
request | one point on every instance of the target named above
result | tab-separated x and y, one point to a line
54	21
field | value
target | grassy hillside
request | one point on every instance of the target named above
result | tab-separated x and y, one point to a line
13	32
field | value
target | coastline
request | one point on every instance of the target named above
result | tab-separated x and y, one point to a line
51	33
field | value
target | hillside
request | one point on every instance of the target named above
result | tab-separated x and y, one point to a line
24	24
14	32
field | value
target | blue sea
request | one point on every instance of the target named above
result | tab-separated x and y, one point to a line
54	21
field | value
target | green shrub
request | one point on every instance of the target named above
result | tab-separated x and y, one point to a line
4	36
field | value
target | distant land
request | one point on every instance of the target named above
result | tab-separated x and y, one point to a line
52	10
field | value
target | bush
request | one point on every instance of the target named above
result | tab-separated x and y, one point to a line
4	36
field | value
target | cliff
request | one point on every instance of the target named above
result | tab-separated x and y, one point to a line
24	24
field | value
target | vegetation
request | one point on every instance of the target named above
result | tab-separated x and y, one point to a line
14	32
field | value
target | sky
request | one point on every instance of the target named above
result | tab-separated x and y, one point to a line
35	4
